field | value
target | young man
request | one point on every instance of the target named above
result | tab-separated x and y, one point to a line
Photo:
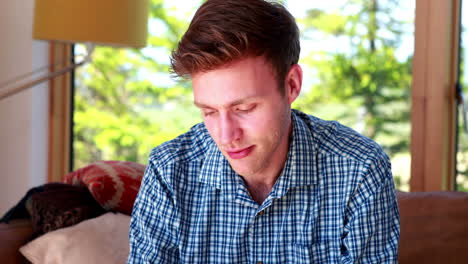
257	182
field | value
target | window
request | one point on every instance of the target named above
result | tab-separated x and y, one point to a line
357	58
462	126
125	101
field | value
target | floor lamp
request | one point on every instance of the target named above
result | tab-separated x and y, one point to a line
119	23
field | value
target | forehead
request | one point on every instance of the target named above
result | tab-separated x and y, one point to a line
251	77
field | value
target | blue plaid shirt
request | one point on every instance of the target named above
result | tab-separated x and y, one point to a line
334	202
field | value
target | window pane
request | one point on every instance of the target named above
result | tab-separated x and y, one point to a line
462	153
356	56
125	102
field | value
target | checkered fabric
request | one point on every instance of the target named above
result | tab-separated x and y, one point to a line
334	202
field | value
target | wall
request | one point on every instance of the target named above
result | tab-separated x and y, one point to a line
24	116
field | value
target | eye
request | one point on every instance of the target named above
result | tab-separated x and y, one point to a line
208	112
245	108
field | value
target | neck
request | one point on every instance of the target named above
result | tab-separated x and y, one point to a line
259	192
260	185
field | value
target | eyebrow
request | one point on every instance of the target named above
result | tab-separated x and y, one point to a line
234	103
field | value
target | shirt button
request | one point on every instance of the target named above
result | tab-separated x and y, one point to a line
260	214
260	262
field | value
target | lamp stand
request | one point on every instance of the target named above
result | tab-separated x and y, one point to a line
6	92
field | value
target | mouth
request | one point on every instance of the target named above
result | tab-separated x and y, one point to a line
241	153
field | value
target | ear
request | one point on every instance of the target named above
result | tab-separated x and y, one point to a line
293	83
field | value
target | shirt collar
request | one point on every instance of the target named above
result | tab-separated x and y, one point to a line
300	168
215	167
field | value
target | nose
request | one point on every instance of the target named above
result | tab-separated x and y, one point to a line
228	129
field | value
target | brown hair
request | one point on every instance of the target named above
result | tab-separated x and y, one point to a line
223	31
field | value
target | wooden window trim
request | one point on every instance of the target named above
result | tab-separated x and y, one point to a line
60	110
433	95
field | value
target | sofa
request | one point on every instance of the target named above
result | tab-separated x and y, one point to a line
12	236
434	229
82	219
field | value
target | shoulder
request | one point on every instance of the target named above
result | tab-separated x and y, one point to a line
333	138
348	162
187	147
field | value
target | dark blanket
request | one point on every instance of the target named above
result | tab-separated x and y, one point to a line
53	206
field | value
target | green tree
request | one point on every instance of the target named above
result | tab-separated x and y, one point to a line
462	136
125	103
360	81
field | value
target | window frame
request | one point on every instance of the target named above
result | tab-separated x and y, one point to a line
433	100
435	73
60	113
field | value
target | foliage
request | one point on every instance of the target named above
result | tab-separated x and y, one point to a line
361	82
125	104
364	84
462	136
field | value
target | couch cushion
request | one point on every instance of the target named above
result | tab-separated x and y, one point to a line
434	227
61	205
102	240
114	184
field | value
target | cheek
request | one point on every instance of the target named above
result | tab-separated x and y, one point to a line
274	126
263	125
210	125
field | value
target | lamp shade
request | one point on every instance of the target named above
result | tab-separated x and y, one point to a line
108	22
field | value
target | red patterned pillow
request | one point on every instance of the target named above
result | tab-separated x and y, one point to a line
114	184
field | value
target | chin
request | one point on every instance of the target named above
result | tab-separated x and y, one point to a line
245	166
243	170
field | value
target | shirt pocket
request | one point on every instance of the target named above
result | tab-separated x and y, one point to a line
324	252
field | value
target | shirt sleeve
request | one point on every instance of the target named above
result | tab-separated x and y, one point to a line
372	225
154	223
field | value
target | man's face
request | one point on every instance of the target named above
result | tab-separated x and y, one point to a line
246	115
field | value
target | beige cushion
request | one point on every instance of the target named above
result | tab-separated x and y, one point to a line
434	227
99	240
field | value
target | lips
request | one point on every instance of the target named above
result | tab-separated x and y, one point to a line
239	154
